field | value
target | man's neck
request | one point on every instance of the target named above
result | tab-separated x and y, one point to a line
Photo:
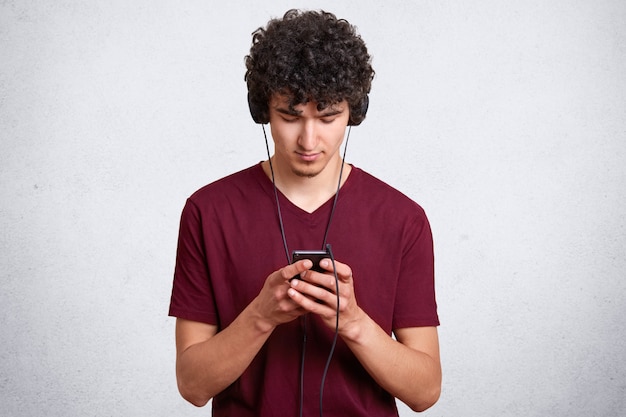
308	193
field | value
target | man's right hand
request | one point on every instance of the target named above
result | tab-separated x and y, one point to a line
208	361
273	306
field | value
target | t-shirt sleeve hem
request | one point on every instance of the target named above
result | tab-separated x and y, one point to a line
416	322
198	316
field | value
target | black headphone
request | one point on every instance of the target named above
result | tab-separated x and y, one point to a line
260	114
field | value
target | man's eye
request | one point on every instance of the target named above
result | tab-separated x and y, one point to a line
290	119
328	120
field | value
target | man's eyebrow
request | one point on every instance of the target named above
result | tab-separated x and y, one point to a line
331	111
327	112
288	111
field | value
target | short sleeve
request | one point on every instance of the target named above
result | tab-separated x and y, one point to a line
415	304
192	296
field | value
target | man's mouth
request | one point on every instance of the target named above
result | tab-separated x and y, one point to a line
309	157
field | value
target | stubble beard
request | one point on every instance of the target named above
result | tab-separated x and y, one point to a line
305	173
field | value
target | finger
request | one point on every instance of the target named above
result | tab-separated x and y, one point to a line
317	305
344	272
291	270
314	291
316	280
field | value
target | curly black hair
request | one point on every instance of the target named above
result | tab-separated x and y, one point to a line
308	56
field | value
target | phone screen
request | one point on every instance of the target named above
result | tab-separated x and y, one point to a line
314	255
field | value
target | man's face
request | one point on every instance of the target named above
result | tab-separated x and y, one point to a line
306	140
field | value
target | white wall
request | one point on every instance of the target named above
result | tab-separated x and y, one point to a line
505	120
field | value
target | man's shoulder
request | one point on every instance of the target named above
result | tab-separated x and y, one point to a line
232	184
236	179
382	191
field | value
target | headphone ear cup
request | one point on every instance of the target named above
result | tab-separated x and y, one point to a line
365	106
258	114
358	118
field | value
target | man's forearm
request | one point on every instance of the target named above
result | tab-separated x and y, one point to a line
205	369
408	373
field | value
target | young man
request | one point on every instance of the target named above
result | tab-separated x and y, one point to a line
254	331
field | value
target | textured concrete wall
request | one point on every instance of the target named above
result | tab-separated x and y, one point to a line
505	120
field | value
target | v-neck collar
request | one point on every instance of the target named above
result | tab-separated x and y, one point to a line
319	214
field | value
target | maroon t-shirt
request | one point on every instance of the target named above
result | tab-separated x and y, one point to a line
230	241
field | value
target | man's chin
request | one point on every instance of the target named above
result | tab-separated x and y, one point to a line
308	171
306	174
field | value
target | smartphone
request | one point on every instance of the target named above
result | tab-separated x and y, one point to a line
314	255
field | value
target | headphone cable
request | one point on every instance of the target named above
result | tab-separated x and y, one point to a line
335	336
328	248
280	217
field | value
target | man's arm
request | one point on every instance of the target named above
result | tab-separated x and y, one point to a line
408	368
208	361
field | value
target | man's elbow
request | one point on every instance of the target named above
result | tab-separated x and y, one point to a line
192	395
426	400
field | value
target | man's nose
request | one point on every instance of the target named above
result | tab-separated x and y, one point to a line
308	136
